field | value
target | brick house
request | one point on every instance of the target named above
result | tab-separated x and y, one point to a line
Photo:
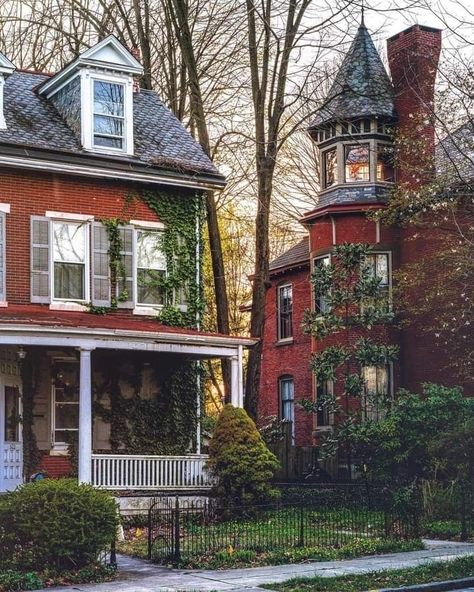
353	132
92	171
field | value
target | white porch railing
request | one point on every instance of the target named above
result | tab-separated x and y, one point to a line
136	471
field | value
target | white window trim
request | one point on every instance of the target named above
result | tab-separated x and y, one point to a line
71	304
147	225
143	309
3	247
88	77
70	217
5	208
313	267
284	339
59	448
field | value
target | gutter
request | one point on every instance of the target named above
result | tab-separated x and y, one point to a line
158	337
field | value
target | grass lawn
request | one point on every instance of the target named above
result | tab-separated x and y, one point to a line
285	536
446	570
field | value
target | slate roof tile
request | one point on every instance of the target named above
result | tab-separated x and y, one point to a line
296	254
361	88
161	141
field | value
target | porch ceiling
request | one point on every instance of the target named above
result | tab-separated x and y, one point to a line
38	325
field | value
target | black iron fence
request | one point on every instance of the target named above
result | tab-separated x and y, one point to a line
179	531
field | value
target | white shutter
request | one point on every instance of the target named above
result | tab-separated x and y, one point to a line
100	266
3	296
128	261
40	259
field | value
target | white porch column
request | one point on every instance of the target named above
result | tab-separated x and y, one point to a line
236	396
85	417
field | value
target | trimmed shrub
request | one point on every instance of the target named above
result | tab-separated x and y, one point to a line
55	523
240	460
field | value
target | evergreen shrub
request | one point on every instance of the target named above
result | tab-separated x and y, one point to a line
55	523
240	461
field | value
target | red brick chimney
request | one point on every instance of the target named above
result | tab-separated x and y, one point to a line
413	57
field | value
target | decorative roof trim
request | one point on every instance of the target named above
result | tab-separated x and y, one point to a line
340	209
130	65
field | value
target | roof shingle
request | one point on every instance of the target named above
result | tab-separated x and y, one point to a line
299	253
160	139
361	88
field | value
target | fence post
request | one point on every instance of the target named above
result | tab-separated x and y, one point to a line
301	537
150	535
177	550
463	514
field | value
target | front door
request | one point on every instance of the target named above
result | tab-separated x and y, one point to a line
11	448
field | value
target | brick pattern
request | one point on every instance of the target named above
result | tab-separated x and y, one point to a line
35	193
55	466
290	359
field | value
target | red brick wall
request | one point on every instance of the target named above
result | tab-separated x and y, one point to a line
287	359
413	57
35	193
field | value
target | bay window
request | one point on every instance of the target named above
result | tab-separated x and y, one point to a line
385	165
357	160
70	268
330	167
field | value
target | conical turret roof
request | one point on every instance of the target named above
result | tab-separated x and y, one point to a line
361	88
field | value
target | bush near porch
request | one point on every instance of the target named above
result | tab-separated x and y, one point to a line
55	525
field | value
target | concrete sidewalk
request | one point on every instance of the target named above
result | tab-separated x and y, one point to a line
141	576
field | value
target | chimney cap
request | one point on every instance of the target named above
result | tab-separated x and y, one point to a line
415	27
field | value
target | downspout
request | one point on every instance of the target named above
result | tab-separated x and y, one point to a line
198	320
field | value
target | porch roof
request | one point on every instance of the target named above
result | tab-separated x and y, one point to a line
38	325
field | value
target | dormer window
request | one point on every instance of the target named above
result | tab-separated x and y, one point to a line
109	115
94	94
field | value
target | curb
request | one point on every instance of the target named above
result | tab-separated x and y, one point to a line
443	586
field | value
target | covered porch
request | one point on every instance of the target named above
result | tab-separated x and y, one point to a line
85	339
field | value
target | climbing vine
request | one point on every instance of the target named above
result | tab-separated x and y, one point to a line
163	421
31	453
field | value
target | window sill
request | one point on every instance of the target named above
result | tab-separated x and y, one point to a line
71	306
147	311
3	303
320	429
281	342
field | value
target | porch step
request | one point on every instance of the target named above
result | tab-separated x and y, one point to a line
55	466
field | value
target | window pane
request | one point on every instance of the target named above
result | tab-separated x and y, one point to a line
103	124
66	381
149	290
381	269
12	414
69	242
108	98
323	392
330	168
357	163
320	303
67	416
69	281
285	312
107	142
286	386
385	167
149	252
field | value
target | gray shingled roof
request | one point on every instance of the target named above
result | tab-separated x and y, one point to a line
297	254
161	141
361	87
455	155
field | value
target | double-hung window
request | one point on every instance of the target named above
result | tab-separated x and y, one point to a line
320	303
70	261
357	162
285	312
379	267
65	413
377	390
324	392
108	115
286	392
151	268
